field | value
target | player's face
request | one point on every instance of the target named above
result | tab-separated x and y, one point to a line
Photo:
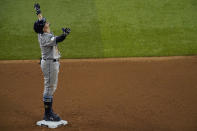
47	24
46	27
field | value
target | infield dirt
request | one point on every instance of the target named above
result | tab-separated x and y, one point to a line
122	94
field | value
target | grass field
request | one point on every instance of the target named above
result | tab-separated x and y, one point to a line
102	28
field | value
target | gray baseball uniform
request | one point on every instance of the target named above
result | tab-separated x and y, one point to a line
50	68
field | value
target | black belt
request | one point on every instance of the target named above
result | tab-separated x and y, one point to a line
54	60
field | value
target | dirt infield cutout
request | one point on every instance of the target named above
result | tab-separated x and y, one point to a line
112	94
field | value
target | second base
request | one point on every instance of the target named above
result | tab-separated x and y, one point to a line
51	124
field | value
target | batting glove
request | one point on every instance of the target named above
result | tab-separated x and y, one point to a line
37	8
66	31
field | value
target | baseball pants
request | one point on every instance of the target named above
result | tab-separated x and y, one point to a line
50	71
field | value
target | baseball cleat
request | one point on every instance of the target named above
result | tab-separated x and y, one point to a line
51	117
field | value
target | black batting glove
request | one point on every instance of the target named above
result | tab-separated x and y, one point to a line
66	31
37	8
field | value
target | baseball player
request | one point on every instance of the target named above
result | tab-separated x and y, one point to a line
49	62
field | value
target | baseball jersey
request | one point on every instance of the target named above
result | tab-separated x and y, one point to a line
48	46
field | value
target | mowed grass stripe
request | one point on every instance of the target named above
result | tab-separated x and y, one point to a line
18	40
102	28
148	28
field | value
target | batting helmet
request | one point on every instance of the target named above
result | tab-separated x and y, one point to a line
39	25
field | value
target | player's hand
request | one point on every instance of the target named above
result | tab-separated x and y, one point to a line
37	8
66	31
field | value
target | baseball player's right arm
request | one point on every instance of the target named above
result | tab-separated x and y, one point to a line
38	11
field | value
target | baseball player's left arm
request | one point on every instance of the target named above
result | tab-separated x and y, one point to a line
38	11
51	40
60	38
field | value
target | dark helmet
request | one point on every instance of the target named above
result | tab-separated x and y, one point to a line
39	25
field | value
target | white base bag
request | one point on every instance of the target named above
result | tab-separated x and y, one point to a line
51	124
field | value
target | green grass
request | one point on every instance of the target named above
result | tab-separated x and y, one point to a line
102	28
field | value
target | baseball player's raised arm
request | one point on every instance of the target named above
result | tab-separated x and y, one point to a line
50	40
60	38
40	16
63	36
38	11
